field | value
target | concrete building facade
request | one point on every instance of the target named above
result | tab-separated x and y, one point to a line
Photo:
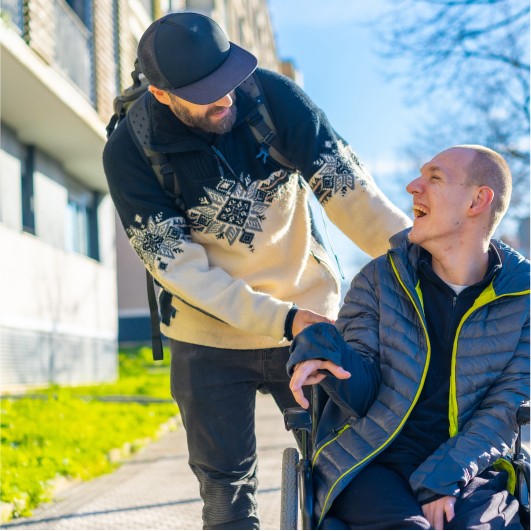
61	67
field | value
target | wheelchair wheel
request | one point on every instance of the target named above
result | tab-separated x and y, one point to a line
289	498
522	489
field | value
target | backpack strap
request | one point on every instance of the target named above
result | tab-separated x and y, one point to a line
264	131
166	175
156	336
261	124
137	120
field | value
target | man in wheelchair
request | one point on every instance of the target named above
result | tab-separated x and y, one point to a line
426	365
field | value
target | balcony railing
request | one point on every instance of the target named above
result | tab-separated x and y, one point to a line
71	44
12	10
73	48
148	6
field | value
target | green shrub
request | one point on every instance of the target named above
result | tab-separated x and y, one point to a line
69	433
135	361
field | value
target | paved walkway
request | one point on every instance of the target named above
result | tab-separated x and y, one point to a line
157	490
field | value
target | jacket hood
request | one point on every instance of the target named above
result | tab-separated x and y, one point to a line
515	272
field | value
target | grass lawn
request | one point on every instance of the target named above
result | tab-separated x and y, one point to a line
69	433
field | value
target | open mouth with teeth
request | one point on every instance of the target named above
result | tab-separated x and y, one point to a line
419	211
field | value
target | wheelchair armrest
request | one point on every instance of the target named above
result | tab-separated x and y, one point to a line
522	415
297	418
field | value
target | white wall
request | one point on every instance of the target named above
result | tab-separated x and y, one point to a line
58	304
58	308
46	288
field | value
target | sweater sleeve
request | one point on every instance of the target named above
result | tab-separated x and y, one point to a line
159	233
335	174
487	436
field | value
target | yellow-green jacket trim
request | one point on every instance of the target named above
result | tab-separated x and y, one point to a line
487	296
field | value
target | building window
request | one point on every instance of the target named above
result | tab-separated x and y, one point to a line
12	10
81	8
12	165
65	210
39	197
81	225
76	234
28	214
74	43
148	7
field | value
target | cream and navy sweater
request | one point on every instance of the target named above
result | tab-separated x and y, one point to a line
243	251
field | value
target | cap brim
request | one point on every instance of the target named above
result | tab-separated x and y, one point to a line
238	66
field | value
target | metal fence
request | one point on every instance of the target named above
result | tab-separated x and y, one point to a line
73	48
12	10
148	6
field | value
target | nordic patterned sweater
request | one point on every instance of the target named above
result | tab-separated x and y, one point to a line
243	250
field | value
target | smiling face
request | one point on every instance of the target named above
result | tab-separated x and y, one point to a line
442	197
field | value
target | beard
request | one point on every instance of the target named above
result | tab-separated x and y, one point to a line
205	122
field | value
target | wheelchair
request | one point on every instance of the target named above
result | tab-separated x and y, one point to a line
297	487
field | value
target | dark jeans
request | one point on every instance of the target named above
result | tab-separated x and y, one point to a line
379	497
215	390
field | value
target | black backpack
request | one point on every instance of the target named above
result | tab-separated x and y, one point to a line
260	124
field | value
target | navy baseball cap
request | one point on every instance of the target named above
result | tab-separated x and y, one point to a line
189	55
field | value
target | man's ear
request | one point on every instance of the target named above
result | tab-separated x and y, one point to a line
481	201
161	95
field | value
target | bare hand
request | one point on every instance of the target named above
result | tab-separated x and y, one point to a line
435	511
306	373
304	318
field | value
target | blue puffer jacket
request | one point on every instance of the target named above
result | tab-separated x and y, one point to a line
381	338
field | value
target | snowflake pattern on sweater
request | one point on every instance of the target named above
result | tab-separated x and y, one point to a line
158	240
338	171
235	212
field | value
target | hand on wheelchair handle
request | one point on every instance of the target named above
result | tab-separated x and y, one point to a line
311	372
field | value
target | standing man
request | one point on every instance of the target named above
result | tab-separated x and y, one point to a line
241	267
431	358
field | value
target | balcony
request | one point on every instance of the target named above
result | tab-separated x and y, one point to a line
11	12
148	6
73	48
47	85
58	35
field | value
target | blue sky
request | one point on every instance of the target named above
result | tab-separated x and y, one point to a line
333	44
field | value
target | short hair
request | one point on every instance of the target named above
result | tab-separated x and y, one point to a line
489	168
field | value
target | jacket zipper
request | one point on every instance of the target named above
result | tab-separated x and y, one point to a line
415	400
338	432
487	296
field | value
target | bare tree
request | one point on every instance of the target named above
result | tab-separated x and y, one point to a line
467	61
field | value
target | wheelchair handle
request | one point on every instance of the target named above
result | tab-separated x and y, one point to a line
522	415
297	418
